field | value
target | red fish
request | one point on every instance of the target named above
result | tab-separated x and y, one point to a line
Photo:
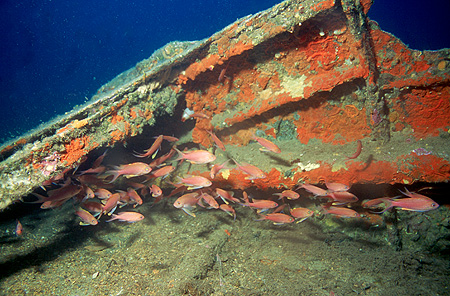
129	170
333	187
268	145
19	228
226	196
187	202
153	149
414	204
251	170
160	160
342	197
195	182
155	190
289	194
86	217
210	200
161	172
261	204
228	209
129	217
196	156
216	168
134	196
111	203
93	206
301	213
216	140
222	73
341	212
277	218
358	150
317	191
102	193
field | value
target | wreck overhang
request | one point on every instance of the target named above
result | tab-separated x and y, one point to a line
318	73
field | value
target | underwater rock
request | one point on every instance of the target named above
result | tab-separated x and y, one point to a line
318	72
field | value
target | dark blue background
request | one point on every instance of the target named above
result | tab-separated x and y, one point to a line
56	53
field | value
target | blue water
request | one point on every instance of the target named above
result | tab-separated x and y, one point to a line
54	54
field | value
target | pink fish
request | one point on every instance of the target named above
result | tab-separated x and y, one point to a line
19	228
129	170
161	172
261	204
333	187
153	149
268	145
229	210
111	203
61	194
226	196
216	168
277	218
342	197
134	196
86	217
195	182
209	200
155	190
129	217
289	194
341	212
92	206
251	170
196	156
102	193
414	204
160	160
301	213
216	140
187	202
317	191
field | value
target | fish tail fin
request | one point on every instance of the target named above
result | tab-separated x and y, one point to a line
180	154
113	173
388	203
113	217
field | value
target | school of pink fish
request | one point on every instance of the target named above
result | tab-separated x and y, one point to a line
99	191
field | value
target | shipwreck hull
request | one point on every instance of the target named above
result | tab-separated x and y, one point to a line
317	77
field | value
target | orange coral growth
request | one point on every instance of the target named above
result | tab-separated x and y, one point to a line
430	168
425	111
325	123
366	4
323	5
275	179
75	124
198	67
133	114
115	118
116	136
239	48
271	132
75	150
